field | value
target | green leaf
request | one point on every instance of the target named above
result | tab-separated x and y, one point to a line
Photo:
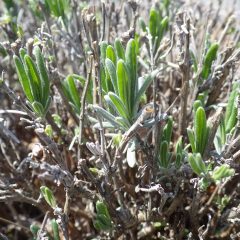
164	154
55	230
200	130
167	131
102	223
143	88
34	229
232	120
209	58
179	145
142	25
48	196
23	78
107	125
110	53
89	95
48	130
112	73
222	172
105	221
22	53
103	50
197	164
178	160
3	51
58	8
162	29
118	105
101	208
191	139
153	22
123	82
46	107
106	115
131	63
119	49
98	225
43	74
34	77
123	122
38	108
231	110
223	133
74	93
196	105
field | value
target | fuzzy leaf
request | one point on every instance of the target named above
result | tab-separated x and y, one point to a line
119	49
112	73
191	139
34	78
110	53
38	108
119	105
222	172
209	58
145	85
48	196
197	164
55	230
23	78
106	115
131	63
123	82
74	93
101	208
167	131
200	130
153	22
43	74
164	160
231	110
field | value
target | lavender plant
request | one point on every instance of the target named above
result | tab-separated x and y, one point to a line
119	120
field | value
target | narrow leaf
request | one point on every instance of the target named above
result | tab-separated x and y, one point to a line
112	73
38	108
200	129
23	78
48	195
131	63
197	164
34	78
55	230
209	58
191	139
74	93
119	49
143	88
43	74
118	104
164	154
153	21
106	115
110	53
123	82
